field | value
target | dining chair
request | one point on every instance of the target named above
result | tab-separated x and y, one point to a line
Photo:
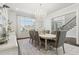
59	42
47	31
32	35
53	32
37	39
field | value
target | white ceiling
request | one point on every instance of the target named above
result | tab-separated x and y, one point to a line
37	8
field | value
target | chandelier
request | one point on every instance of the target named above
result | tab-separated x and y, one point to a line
39	12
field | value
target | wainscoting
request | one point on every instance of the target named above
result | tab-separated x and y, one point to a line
71	41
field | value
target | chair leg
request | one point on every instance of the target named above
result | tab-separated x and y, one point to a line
63	50
56	51
32	41
35	43
39	44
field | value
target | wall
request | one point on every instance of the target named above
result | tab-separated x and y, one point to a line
72	8
64	11
47	24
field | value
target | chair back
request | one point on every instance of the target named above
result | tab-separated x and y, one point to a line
32	34
53	32
60	38
37	35
47	31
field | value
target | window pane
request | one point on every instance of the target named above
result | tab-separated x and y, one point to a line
24	25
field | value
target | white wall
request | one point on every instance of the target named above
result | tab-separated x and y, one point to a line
47	24
64	11
72	8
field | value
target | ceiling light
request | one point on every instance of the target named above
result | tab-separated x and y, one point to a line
39	13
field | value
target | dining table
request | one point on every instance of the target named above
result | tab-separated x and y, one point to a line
47	37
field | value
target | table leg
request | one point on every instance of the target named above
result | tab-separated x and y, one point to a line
45	44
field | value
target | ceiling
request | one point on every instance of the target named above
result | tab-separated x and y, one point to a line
38	8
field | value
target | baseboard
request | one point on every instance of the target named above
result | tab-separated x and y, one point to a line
22	38
70	37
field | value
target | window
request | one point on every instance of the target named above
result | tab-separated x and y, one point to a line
26	21
24	25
